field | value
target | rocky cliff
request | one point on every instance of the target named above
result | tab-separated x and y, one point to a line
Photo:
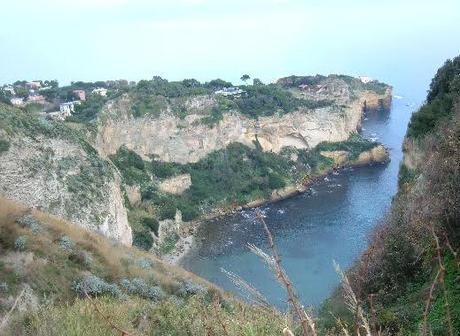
174	139
47	166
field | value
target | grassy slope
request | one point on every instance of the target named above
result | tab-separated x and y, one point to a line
187	306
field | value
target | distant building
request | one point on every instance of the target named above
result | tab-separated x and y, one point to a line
9	89
365	79
81	94
68	108
39	99
230	91
33	85
16	101
100	91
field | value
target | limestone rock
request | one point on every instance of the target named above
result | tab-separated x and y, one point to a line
176	185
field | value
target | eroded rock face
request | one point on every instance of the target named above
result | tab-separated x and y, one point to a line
173	139
58	176
176	185
378	154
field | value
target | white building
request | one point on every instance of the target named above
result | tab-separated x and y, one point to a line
69	107
365	79
100	91
9	89
230	91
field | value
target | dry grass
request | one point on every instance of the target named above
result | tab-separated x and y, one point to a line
51	270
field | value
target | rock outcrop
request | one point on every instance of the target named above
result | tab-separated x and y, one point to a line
176	185
47	166
172	139
49	174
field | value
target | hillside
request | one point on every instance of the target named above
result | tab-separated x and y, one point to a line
59	279
143	161
45	164
408	278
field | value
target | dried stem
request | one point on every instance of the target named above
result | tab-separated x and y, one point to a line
7	316
104	317
307	323
216	304
251	293
352	303
442	282
452	250
428	303
373	312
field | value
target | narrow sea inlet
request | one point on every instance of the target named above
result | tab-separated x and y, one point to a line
330	222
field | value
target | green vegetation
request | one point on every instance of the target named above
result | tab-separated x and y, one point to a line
4	146
442	97
414	251
88	109
225	178
60	264
355	84
267	100
354	145
94	172
33	107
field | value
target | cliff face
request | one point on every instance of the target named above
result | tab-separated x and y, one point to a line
47	171
186	140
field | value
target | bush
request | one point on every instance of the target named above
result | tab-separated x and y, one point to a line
190	288
151	224
145	263
95	286
66	243
275	181
406	175
138	287
143	240
82	258
20	243
29	221
4	146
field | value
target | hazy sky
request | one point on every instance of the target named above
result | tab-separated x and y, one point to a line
395	41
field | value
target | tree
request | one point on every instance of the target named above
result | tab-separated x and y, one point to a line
245	77
256	82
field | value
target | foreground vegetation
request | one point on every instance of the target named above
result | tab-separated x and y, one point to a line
408	279
58	279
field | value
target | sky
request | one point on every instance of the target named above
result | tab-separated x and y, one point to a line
400	42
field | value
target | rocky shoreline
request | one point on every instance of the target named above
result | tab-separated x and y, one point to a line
377	155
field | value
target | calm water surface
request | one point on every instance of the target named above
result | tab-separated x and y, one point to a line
311	230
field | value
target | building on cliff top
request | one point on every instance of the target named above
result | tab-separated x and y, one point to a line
81	94
231	91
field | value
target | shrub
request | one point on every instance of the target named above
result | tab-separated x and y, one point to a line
143	240
82	258
168	243
406	175
29	221
66	243
139	287
4	146
190	288
145	263
151	224
20	243
95	286
275	181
